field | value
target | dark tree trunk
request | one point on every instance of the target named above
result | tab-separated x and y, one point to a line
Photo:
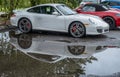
33	2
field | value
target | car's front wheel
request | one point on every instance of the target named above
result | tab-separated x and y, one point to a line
77	29
24	25
110	21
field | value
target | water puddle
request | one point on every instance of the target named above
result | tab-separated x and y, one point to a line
25	55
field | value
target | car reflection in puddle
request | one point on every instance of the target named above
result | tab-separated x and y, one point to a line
52	51
33	56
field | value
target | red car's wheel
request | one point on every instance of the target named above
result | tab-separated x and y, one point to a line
24	25
77	29
110	21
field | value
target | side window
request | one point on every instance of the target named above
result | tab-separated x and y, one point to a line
34	10
88	9
48	10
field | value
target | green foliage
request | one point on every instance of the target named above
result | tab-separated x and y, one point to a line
9	5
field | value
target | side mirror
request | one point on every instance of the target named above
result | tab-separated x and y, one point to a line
55	13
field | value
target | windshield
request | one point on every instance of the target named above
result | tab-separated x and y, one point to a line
106	7
66	10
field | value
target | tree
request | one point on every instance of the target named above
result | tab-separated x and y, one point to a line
10	5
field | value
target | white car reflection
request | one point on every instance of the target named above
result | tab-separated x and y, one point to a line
52	51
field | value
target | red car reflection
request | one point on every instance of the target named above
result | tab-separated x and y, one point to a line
112	17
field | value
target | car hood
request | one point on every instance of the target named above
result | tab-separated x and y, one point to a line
88	16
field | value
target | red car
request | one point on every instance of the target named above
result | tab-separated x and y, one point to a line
112	17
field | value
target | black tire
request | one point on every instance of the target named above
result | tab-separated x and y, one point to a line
25	25
110	21
77	29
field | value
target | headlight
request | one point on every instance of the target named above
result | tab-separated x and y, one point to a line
92	21
118	14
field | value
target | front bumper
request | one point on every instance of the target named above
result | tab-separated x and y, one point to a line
102	30
97	30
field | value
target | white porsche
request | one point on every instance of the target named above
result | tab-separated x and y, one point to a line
60	18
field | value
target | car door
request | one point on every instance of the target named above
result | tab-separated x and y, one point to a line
49	21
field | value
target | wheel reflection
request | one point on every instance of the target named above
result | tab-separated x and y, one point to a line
24	41
76	50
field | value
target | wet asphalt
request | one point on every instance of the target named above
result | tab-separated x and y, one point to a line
111	38
52	54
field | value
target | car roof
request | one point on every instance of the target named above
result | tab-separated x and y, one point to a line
93	4
50	4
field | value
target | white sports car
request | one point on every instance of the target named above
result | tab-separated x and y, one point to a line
58	17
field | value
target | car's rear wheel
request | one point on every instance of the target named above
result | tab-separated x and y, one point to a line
77	29
24	25
110	21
